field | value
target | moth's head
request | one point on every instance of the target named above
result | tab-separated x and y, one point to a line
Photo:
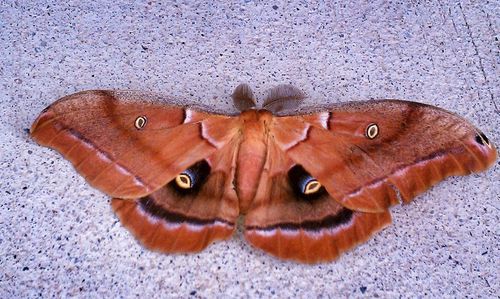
278	99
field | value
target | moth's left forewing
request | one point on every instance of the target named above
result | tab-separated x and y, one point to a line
127	144
369	155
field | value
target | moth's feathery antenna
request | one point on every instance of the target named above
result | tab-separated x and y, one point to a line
283	97
243	97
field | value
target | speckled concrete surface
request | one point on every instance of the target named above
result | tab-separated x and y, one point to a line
59	237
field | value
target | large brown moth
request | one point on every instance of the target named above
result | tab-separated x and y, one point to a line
311	184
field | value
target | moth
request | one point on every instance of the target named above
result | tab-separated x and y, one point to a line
311	183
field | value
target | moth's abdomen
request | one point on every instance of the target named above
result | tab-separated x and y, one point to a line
251	156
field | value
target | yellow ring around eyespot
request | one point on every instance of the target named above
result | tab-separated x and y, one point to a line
140	122
183	181
371	131
312	186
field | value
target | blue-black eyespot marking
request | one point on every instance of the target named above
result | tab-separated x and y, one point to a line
304	185
191	179
184	181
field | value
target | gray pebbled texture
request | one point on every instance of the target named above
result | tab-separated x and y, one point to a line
59	237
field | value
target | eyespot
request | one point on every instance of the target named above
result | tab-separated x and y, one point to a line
312	186
140	122
482	139
191	180
304	185
371	131
183	180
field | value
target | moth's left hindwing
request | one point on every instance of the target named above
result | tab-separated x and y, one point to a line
186	217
